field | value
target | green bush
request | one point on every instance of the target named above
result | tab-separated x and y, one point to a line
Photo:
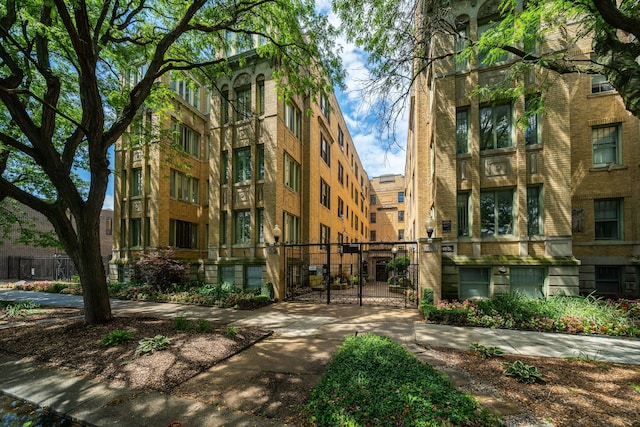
204	326
428	296
150	345
253	302
523	373
181	323
450	316
160	269
372	381
484	351
22	308
116	337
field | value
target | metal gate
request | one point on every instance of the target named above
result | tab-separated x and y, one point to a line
374	273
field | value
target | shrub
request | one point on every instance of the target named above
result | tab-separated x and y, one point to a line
231	332
204	326
159	269
523	373
150	345
452	316
253	302
23	308
428	296
374	381
485	352
116	337
181	323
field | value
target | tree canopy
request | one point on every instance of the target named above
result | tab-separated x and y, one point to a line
64	98
399	37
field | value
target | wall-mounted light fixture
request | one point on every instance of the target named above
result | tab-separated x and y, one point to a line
429	226
276	238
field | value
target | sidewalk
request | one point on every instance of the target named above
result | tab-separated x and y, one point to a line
304	340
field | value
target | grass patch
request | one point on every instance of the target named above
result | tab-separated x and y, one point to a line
21	309
373	381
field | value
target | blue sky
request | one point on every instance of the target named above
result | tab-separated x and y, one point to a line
377	157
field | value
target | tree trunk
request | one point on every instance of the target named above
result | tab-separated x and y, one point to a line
88	259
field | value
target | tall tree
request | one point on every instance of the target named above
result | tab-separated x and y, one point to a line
64	101
399	37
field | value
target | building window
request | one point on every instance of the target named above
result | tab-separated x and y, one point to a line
599	84
260	95
108	227
147	231
325	236
252	277
400	234
608	219
188	90
495	127
325	150
291	229
242	164
223	228
291	173
260	225
527	281
136	182
484	58
372	217
325	194
325	108
372	200
227	274
474	283
242	228
293	119
462	131
340	173
496	213
401	197
183	187
605	142
224	106
400	216
340	208
372	236
225	167
136	232
340	138
532	131
187	139
183	234
260	160
609	279
242	106
463	208
460	44
534	211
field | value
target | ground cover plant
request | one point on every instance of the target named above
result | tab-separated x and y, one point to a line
373	381
588	315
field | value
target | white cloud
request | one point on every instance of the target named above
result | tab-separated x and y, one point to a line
108	201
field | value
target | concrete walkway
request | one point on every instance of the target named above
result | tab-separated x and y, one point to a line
304	340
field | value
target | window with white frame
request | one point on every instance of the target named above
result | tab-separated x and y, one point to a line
242	164
528	282
608	219
600	84
340	138
325	194
340	207
293	119
183	234
495	127
291	173
242	227
187	139
497	213
188	89
325	108
474	282
463	208
606	142
534	210
609	279
462	131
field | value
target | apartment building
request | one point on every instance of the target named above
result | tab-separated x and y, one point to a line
243	166
387	216
541	208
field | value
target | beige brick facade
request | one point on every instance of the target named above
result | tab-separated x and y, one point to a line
544	215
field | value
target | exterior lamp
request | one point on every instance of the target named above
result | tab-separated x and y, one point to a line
276	233
394	251
429	226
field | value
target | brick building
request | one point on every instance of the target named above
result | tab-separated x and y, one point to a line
249	163
544	208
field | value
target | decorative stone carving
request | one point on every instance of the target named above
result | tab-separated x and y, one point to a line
496	166
136	206
533	162
577	220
